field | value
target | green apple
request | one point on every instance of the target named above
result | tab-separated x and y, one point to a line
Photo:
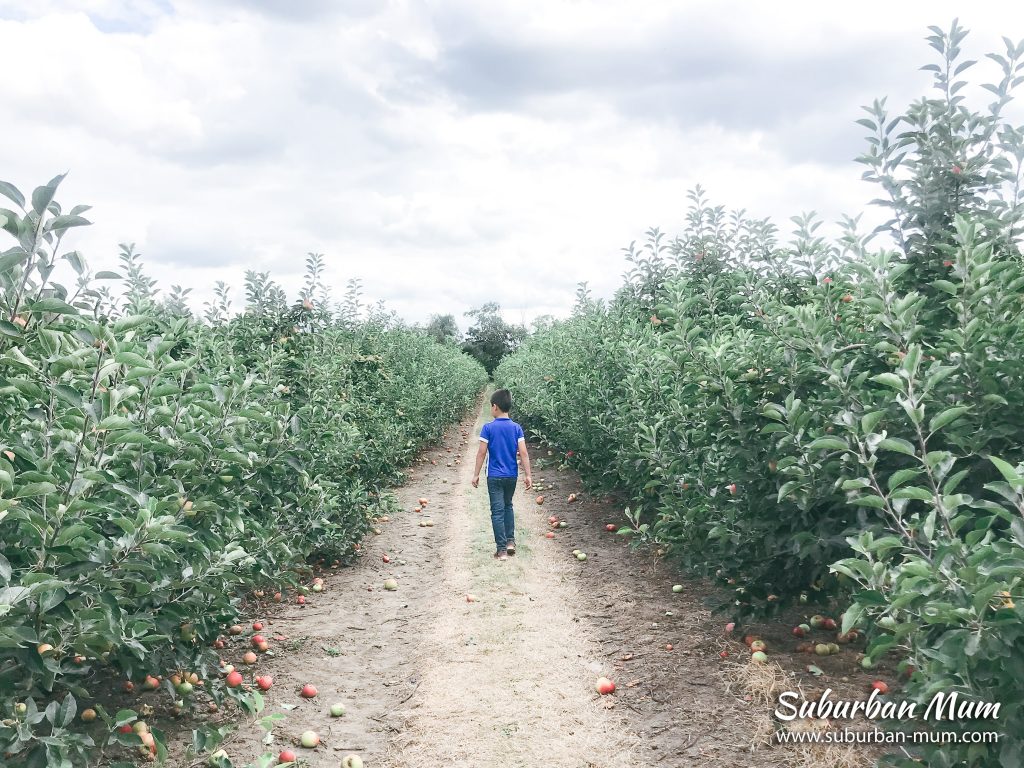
337	710
309	739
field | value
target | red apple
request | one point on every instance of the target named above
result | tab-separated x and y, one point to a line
234	679
287	756
257	626
308	691
610	527
264	682
880	686
605	686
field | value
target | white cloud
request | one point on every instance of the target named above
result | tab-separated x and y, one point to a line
447	154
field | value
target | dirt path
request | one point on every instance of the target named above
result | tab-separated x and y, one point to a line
428	678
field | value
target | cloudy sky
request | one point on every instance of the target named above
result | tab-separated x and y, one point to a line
447	152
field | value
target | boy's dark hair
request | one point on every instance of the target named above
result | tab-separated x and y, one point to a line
503	399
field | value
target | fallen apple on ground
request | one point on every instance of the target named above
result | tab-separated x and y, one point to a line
309	739
677	588
604	686
287	756
308	691
352	761
337	709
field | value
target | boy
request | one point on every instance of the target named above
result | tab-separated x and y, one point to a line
503	439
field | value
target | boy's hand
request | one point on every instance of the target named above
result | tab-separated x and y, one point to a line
529	482
476	481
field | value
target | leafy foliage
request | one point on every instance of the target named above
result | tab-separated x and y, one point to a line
813	419
154	469
491	338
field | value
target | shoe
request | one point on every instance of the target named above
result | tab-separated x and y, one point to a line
511	548
500	556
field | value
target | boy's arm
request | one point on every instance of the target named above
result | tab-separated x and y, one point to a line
481	454
525	456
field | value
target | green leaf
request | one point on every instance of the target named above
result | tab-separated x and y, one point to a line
897	444
828	444
43	196
106	275
948	416
131	321
53	305
12	258
1008	472
852	617
68	394
869	421
876	502
10	329
901	476
61	223
11	192
891	380
913	492
35	489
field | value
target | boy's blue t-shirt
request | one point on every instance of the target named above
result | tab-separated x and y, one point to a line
502	437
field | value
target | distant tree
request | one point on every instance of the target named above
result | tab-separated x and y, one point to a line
443	328
542	323
491	338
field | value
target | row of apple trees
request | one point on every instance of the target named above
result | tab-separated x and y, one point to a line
812	420
154	468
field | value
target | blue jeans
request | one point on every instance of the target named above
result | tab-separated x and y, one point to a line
503	521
